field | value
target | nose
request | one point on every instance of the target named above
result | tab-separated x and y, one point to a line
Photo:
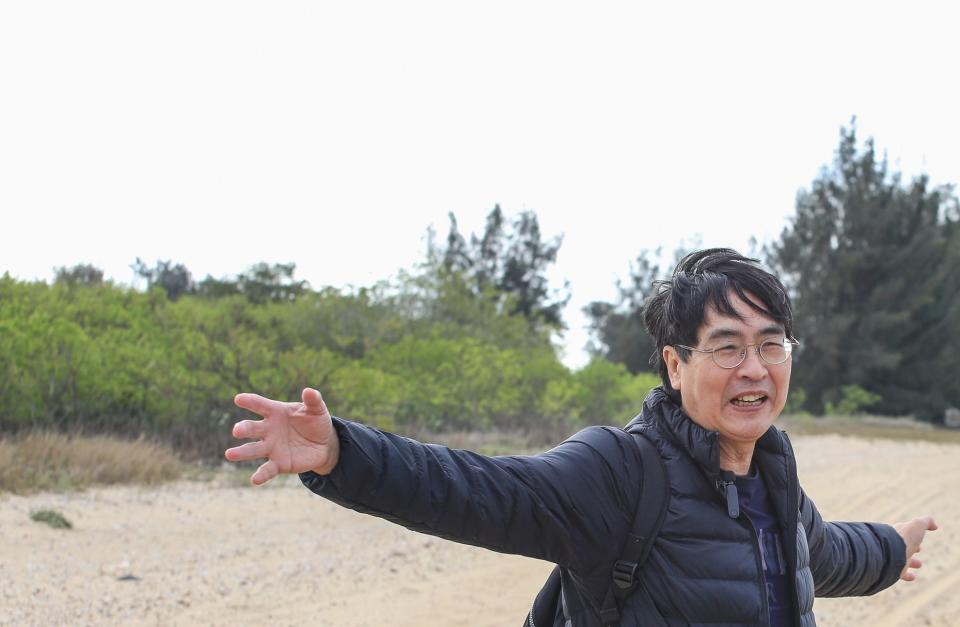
753	367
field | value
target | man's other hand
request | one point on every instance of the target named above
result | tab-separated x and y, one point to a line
912	533
294	437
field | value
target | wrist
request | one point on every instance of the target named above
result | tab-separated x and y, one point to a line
332	456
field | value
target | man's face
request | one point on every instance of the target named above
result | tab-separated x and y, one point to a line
741	403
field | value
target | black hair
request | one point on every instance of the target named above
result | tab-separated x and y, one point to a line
676	307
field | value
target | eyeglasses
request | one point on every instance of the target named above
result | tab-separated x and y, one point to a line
730	356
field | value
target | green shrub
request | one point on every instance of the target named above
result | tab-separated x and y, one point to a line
795	401
850	400
609	394
53	518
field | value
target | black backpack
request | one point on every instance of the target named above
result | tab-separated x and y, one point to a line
654	494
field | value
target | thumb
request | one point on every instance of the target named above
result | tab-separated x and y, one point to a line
313	402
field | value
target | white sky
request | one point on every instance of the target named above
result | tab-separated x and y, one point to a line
223	133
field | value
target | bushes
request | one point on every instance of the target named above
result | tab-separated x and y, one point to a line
609	394
420	354
849	400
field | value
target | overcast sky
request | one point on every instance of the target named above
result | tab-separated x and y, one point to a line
223	133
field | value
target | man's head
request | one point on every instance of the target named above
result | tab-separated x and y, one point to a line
718	298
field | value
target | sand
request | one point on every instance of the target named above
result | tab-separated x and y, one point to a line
216	553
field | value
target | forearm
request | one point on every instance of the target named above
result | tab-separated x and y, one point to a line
851	558
864	558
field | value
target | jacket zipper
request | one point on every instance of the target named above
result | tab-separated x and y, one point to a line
728	487
763	578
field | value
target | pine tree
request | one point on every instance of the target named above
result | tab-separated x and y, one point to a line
869	262
508	262
617	329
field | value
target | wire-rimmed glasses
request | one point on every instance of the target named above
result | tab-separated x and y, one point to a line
773	352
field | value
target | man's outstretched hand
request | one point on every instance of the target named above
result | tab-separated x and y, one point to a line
912	533
294	437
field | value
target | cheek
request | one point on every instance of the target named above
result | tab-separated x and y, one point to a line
687	379
783	387
718	385
705	388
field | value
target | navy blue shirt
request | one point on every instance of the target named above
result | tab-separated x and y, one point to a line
755	503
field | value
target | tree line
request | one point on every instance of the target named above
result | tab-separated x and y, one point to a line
872	263
463	342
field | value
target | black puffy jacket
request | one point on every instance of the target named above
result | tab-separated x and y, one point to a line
574	505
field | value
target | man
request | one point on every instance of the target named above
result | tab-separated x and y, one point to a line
740	543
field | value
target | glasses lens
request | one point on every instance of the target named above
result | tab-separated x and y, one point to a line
775	352
728	356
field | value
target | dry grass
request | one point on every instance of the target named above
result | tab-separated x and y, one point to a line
493	442
53	461
869	427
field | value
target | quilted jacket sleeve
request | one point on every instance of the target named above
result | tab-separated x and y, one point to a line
563	505
851	558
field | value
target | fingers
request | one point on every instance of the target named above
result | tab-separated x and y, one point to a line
912	533
313	402
266	472
254	402
927	523
246	452
249	430
908	574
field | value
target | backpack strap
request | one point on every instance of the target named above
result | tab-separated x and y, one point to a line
651	510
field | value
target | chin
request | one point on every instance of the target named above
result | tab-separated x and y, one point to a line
752	434
750	427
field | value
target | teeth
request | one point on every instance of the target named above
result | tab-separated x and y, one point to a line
748	398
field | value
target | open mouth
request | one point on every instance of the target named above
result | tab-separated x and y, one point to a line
749	400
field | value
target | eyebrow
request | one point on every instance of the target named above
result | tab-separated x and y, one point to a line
726	332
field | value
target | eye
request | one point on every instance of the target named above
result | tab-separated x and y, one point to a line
780	342
775	351
728	350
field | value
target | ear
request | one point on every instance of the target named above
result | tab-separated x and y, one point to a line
672	359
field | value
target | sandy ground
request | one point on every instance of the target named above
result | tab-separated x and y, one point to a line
194	553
